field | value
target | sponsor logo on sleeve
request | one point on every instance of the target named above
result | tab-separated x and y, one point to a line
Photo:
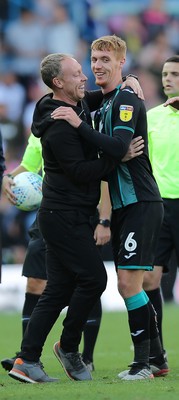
125	113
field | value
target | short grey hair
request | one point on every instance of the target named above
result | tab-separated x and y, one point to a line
51	67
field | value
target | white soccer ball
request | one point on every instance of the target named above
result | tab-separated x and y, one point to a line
27	190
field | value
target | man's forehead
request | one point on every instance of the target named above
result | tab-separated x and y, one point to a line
102	53
171	67
71	63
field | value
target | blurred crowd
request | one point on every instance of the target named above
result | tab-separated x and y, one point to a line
31	29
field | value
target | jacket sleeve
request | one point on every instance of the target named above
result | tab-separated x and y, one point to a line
117	144
67	149
93	99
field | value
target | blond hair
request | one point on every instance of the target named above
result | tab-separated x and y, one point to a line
110	42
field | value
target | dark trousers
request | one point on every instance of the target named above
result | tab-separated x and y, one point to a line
76	278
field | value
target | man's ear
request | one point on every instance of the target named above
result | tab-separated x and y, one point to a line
122	62
57	82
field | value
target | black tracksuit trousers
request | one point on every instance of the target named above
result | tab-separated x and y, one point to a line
76	278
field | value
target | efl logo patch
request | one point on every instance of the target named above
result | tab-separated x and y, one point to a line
126	113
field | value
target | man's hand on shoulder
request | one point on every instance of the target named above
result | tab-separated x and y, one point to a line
173	101
133	82
68	114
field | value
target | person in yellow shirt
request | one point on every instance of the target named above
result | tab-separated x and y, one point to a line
163	128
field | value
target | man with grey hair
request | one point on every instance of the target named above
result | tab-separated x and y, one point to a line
71	192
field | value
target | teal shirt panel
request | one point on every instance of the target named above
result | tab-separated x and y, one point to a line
121	187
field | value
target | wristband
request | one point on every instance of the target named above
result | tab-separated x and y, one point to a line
104	222
131	76
9	176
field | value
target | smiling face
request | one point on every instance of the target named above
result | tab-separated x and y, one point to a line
71	84
106	69
170	78
107	58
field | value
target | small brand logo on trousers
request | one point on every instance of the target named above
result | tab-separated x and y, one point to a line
137	333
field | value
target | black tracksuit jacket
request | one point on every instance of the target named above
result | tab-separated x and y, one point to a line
73	170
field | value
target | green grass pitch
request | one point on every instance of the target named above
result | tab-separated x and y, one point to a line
112	354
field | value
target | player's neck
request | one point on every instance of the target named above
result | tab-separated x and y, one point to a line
112	86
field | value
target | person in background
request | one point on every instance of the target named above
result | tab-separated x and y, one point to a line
2	168
22	54
2	161
163	127
34	264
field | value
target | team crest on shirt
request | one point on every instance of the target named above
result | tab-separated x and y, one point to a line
125	113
